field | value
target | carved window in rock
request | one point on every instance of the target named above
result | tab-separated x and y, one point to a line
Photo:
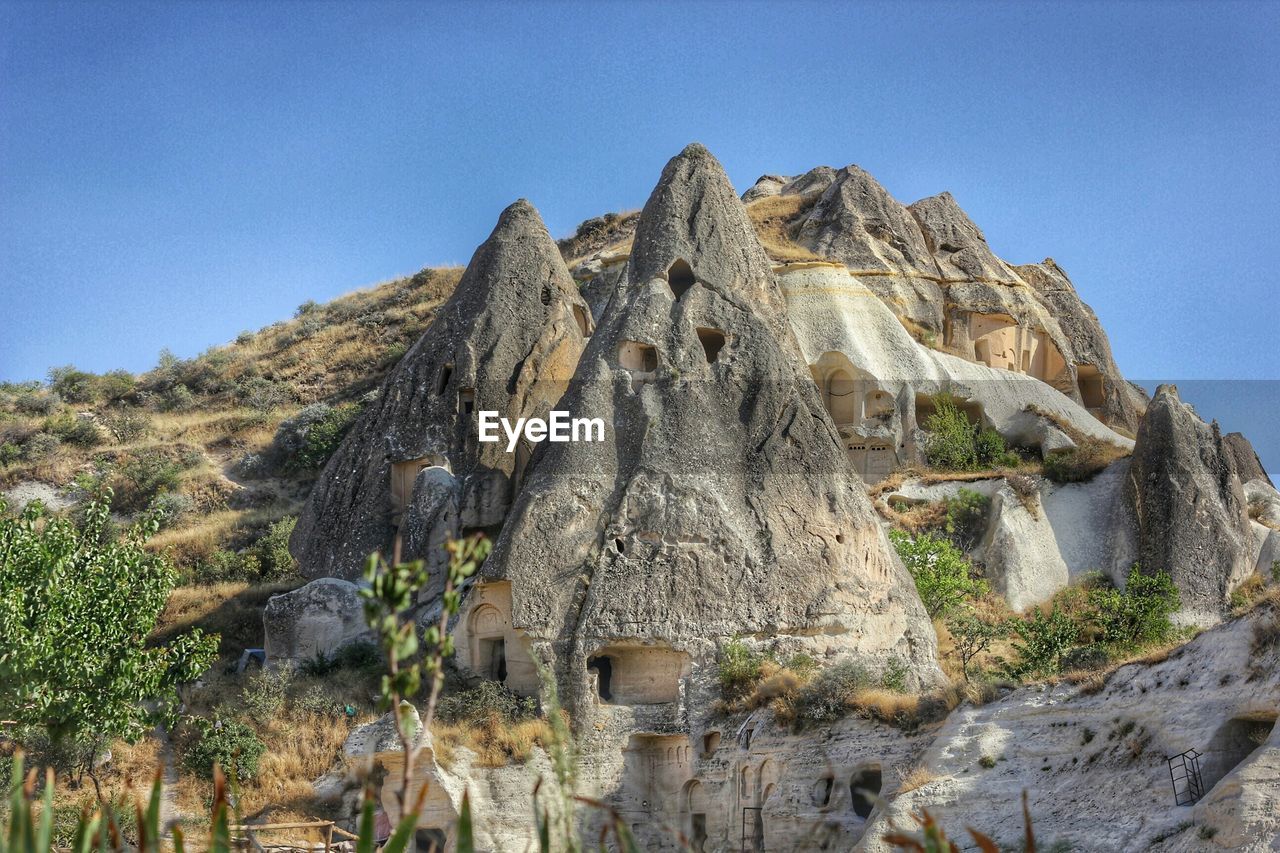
710	742
466	401
640	360
680	278
1233	743
489	633
695	806
712	341
602	665
864	789
822	791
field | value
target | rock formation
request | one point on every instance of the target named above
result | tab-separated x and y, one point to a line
720	503
1248	465
507	340
1188	506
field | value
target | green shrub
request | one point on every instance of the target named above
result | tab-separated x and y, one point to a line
34	402
115	385
305	441
265	694
71	429
1140	614
738	669
170	507
955	444
1044	638
272	550
987	761
487	699
9	453
262	394
942	574
352	656
828	696
1090	658
223	566
895	675
40	446
951	443
967	518
226	742
177	398
73	385
126	424
143	477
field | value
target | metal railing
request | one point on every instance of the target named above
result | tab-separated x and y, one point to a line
1184	774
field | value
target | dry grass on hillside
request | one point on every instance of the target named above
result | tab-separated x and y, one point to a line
233	610
774	219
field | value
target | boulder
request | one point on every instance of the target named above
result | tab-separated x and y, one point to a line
720	502
316	619
1188	506
507	341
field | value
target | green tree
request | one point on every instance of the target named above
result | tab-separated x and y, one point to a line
941	571
77	605
972	635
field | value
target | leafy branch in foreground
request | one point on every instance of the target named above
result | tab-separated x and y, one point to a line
388	600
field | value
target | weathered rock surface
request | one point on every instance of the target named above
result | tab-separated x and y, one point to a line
1019	551
316	619
957	245
507	340
720	502
858	223
877	380
1188	506
1087	345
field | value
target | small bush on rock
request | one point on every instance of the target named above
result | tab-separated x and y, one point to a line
1044	638
485	700
828	697
739	670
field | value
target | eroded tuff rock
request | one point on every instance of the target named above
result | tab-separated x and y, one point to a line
1248	465
1188	506
507	340
1093	367
858	223
956	243
720	502
1092	762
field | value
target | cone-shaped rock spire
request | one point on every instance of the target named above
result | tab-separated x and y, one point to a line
720	502
508	340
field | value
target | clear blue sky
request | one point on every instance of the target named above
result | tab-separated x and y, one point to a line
171	174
